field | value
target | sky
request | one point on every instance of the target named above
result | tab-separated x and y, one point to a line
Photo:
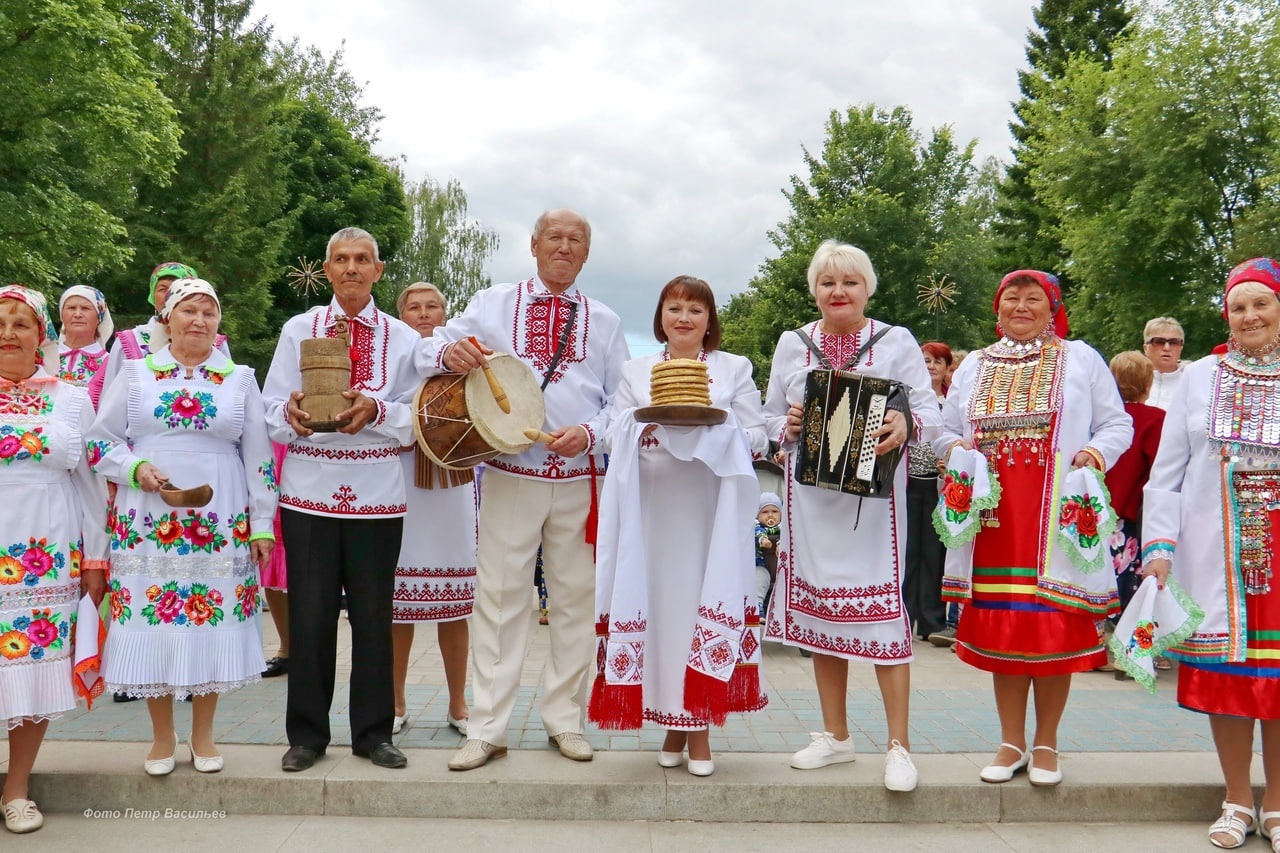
672	125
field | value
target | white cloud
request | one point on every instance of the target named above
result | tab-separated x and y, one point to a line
672	126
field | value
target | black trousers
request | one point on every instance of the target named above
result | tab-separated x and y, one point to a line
922	581
325	556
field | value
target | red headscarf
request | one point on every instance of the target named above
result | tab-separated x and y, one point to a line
1047	281
1264	271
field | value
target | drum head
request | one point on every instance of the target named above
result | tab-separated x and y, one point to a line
505	432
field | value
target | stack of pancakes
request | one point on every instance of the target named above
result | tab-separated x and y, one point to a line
679	382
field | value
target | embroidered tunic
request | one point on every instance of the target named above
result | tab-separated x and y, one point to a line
78	365
436	571
526	320
132	344
330	473
51	527
1231	664
693	577
840	559
1031	610
184	591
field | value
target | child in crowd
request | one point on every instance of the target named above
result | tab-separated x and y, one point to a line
767	532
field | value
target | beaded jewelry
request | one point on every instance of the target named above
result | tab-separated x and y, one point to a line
1017	394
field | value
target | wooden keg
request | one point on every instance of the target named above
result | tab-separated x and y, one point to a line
326	373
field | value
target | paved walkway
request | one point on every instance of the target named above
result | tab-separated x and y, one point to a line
952	710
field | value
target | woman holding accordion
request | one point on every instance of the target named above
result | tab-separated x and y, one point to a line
840	558
1029	618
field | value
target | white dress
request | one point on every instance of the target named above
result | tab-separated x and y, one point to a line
51	527
840	558
185	594
436	571
79	365
679	499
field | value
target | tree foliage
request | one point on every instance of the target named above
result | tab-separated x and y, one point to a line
920	208
1178	182
1027	230
307	72
81	118
447	249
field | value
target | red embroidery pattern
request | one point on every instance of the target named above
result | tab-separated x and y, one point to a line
430	614
719	617
542	320
364	341
878	603
24	402
674	721
853	647
840	348
338	454
314	506
555	468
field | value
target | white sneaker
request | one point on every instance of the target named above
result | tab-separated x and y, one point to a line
900	772
824	750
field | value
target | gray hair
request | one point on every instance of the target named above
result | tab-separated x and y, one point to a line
350	235
417	287
844	258
540	223
1159	323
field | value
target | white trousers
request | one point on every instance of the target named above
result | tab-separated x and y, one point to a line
518	514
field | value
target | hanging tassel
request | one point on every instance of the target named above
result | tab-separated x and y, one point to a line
705	696
593	514
616	706
427	473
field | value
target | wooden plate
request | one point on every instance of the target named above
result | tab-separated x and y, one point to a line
681	415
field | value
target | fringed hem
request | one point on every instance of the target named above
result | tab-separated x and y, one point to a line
709	698
616	706
14	722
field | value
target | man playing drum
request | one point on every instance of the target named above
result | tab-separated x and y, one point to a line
342	505
542	496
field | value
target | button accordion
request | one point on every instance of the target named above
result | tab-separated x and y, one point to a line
841	411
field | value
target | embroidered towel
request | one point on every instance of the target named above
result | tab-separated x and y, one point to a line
1155	620
968	487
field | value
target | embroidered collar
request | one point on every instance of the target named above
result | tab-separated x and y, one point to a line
369	315
537	290
40	377
666	354
164	360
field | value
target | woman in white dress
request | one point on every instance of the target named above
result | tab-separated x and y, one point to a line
436	572
86	328
840	560
52	542
675	594
185	593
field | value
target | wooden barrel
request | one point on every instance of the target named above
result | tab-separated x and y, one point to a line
326	373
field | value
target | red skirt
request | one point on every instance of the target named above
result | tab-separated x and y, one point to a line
1005	628
1252	688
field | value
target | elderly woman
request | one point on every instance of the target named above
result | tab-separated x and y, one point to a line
86	328
676	569
1029	617
1162	341
840	560
436	572
51	533
185	591
1213	496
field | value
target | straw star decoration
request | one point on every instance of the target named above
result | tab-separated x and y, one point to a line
307	278
936	294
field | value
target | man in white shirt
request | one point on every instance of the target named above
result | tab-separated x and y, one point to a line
342	505
1162	341
546	495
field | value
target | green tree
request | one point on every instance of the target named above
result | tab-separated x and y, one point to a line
81	119
1026	229
919	208
1178	183
447	249
222	209
308	72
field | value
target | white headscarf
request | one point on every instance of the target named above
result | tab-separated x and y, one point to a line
181	289
99	303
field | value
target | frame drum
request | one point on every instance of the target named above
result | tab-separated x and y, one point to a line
458	423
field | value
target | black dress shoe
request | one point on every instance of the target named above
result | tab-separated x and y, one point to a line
300	758
382	755
276	666
124	697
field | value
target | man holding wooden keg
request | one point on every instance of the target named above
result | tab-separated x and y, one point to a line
342	497
544	496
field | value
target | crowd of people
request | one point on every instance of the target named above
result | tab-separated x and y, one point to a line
1041	489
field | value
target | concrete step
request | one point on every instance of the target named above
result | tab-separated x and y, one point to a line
107	778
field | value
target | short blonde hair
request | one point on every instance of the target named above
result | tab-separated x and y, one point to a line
416	287
1156	323
844	258
1133	373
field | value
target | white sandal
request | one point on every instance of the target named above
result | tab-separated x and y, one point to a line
1230	823
1272	835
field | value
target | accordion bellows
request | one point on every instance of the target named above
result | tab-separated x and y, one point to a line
679	382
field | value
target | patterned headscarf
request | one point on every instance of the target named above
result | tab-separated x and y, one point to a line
184	288
34	299
98	301
1264	271
1049	283
169	269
